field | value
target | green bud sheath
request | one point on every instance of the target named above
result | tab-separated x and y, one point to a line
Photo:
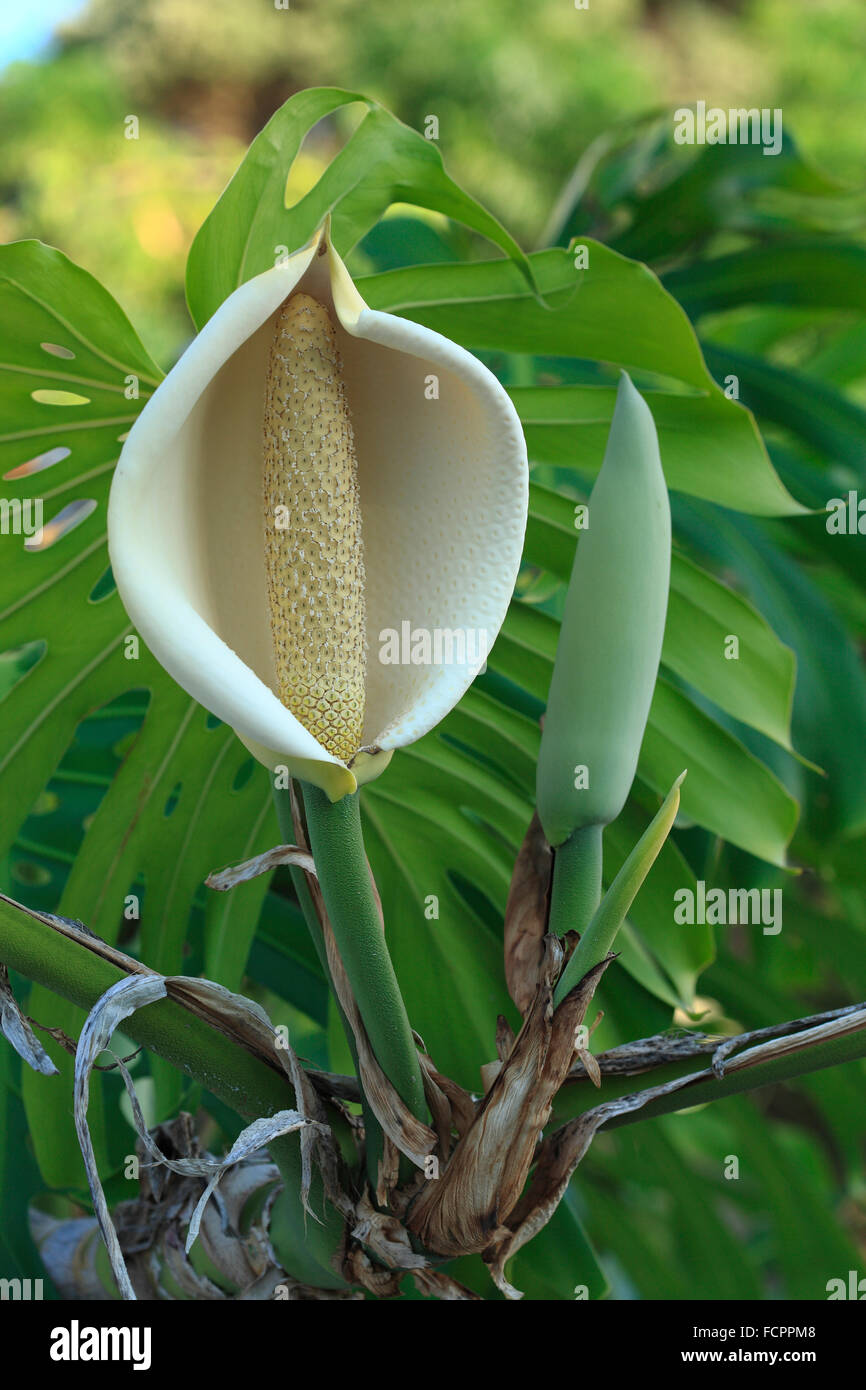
611	639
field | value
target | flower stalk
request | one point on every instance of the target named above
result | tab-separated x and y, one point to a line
373	1140
576	885
337	845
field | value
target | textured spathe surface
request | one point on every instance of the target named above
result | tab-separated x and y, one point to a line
312	527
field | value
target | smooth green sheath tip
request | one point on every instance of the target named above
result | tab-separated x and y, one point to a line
611	639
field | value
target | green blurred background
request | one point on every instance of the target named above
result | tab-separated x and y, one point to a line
520	92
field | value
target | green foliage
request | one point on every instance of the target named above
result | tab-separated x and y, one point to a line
613	312
20	1179
384	162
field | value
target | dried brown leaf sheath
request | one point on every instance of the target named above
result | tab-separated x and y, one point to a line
465	1209
526	916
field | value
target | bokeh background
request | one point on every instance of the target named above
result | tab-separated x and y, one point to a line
521	92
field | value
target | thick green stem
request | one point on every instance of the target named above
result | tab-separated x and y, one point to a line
817	1056
374	1142
337	845
576	1098
250	1087
576	889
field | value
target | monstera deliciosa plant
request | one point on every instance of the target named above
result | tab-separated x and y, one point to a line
396	726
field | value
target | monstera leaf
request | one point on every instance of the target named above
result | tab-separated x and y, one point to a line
383	162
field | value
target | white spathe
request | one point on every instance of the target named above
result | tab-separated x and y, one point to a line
443	483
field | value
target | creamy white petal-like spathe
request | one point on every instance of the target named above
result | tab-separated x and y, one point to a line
443	487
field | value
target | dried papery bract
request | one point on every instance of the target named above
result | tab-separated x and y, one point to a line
464	1211
526	915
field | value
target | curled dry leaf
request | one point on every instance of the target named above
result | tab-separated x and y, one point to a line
224	879
17	1030
725	1048
385	1237
464	1210
247	1021
118	1002
250	1139
840	1024
151	1229
526	915
317	1141
558	1157
359	1269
